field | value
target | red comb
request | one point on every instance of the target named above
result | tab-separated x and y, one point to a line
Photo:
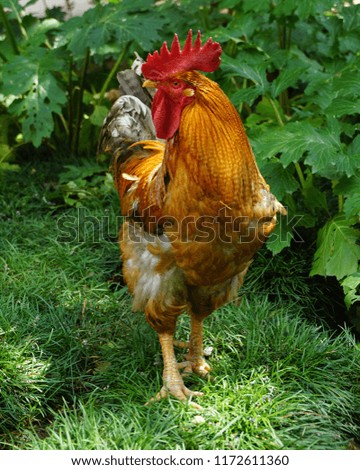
192	57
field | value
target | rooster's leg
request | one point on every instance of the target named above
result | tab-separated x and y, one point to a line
195	356
173	382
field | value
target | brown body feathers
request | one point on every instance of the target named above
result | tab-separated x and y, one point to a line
197	208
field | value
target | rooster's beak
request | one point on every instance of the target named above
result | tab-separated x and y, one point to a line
149	84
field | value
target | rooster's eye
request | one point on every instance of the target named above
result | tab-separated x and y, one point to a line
176	84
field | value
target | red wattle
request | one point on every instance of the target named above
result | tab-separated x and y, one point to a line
166	115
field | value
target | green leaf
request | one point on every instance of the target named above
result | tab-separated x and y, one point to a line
40	29
336	93
280	179
304	8
281	237
228	3
347	82
327	156
37	91
284	8
98	115
78	173
288	77
351	289
337	253
256	73
314	198
111	23
347	186
290	141
9	166
341	106
352	205
258	6
354	147
325	153
246	95
242	26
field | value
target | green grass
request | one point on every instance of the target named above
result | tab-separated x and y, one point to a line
77	366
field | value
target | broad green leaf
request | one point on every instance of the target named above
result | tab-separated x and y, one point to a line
340	106
352	205
14	7
350	42
284	7
314	198
256	73
327	157
5	166
288	77
325	153
137	27
246	95
354	147
337	251
280	179
281	236
98	115
351	286
317	81
336	93
347	186
351	17
40	29
243	26
347	82
270	109
77	173
111	23
305	8
258	6
37	91
290	141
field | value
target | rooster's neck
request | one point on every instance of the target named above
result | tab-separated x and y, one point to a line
211	149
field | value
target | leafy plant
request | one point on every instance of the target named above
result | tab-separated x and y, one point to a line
301	107
291	69
47	64
83	182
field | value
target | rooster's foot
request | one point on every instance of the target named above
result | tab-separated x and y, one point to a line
172	380
196	365
178	391
193	364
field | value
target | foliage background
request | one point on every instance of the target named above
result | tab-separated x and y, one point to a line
292	70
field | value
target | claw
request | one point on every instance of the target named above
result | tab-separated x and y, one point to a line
178	391
197	365
172	380
183	365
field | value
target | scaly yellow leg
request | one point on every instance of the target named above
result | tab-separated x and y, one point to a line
172	380
196	351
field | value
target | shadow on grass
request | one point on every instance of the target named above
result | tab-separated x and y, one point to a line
77	365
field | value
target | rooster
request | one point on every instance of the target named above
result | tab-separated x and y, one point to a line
195	204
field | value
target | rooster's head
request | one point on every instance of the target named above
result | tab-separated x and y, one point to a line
168	71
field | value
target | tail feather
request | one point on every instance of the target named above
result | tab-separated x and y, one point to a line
129	135
128	121
130	83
